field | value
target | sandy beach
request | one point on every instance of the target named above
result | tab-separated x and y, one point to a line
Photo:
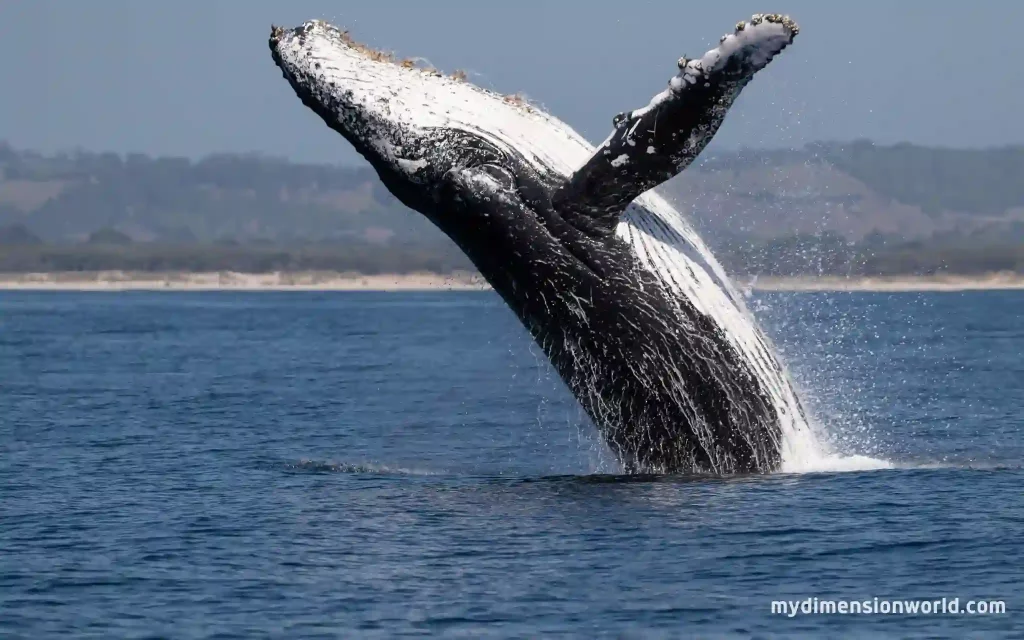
334	281
232	281
989	281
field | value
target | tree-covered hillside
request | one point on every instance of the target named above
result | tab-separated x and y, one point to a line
826	208
69	196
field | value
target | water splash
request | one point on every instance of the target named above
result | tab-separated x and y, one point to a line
666	243
836	356
835	463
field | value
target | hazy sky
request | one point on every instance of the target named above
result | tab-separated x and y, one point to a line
192	77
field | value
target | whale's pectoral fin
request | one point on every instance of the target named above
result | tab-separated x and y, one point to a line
650	145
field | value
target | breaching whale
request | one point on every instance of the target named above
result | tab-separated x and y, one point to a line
624	298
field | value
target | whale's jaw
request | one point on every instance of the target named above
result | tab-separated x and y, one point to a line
398	114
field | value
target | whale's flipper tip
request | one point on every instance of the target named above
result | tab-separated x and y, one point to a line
651	145
748	49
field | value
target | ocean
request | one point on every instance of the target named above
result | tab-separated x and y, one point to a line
339	465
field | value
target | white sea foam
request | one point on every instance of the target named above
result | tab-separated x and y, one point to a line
830	463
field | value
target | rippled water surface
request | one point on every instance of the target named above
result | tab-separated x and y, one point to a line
347	465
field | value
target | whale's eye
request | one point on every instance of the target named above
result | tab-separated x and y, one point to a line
501	175
473	150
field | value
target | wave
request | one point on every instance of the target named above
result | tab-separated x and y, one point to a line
364	468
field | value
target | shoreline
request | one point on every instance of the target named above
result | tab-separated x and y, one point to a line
235	281
880	284
336	281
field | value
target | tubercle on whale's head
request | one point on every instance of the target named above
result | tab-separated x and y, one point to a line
400	115
352	88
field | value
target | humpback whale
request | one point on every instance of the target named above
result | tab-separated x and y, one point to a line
625	299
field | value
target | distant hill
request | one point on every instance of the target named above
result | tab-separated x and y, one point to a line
17	235
825	208
65	198
853	190
109	237
858	190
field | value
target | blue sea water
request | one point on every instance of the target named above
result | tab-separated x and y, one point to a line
295	465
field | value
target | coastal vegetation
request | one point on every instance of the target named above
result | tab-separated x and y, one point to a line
825	209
